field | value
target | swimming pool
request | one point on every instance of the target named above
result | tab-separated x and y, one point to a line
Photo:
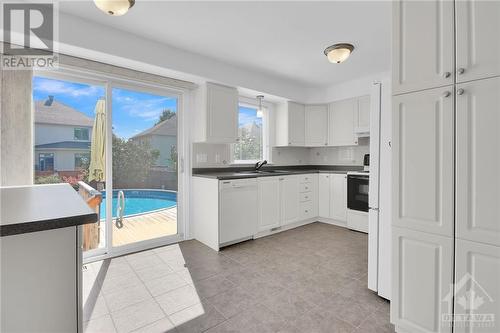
141	201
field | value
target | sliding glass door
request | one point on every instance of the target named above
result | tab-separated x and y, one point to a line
116	142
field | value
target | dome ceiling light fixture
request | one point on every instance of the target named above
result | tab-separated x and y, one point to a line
338	53
114	7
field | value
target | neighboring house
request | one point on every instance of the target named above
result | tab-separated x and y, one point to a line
162	137
62	138
252	129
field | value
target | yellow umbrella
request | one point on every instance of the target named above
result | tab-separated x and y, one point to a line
97	168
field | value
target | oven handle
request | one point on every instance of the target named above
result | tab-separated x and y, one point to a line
357	177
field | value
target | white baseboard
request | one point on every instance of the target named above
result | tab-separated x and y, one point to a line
332	221
284	228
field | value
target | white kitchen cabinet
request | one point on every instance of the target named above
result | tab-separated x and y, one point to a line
342	119
216	114
308	196
362	128
423	44
477	276
338	197
269	203
324	195
290	128
422	275
316	125
477	149
423	167
290	199
477	39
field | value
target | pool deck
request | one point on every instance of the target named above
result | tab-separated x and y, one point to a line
146	226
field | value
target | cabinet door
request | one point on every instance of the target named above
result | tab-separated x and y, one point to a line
422	147
342	118
222	114
422	276
269	203
324	195
477	276
478	161
423	45
478	42
338	197
316	119
290	199
296	129
363	125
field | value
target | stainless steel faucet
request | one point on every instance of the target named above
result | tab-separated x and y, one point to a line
260	164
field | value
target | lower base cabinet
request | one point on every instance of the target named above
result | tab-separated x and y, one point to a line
422	281
477	287
332	198
269	203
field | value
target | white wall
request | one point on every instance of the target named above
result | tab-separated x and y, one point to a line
48	133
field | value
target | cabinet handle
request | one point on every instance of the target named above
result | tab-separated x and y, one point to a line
446	94
289	143
446	74
281	178
461	70
460	91
326	143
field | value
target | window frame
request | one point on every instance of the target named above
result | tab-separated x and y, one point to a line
80	155
82	130
250	103
44	157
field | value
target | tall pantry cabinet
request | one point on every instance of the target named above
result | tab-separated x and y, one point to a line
446	162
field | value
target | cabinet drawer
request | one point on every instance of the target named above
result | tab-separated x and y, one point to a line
305	178
306	210
305	196
305	187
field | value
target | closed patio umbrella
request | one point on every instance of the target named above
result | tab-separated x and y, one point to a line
97	168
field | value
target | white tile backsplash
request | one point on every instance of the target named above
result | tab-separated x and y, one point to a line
352	155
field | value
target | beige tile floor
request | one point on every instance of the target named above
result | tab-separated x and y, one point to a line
309	279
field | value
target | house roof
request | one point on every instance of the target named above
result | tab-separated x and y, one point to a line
166	127
65	145
53	112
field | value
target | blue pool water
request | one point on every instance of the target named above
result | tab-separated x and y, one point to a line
141	201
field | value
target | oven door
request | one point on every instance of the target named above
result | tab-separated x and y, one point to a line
357	192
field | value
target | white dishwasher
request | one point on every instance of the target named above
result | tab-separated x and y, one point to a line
238	210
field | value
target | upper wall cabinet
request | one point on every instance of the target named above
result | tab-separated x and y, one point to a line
422	150
216	114
478	41
423	44
316	121
342	119
290	129
362	127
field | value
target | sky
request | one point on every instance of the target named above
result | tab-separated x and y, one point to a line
133	111
248	116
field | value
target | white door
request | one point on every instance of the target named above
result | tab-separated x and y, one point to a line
478	42
296	129
269	203
324	195
316	119
342	118
422	275
478	161
222	104
423	45
477	274
422	148
338	197
290	199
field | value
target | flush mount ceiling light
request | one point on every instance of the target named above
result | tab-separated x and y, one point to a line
338	53
114	7
260	110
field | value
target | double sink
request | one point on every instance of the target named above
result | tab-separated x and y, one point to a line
262	172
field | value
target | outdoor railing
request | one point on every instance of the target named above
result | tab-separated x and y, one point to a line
91	232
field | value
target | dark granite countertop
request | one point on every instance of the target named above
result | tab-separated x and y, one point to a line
34	208
269	171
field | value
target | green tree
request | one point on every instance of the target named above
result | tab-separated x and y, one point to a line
165	115
132	161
